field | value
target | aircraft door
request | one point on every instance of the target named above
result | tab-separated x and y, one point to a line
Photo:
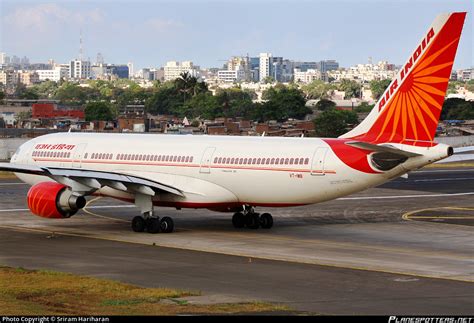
206	160
78	155
317	164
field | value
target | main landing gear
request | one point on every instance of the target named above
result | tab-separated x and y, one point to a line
152	224
148	222
250	219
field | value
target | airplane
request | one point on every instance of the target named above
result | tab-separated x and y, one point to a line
238	174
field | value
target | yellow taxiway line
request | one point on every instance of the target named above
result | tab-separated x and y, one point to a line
409	216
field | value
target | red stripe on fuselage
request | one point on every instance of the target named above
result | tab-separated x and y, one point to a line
181	165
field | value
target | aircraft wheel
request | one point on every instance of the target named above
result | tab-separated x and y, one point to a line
238	220
138	224
253	221
266	221
167	224
153	225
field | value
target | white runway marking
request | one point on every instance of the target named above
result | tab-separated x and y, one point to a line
445	170
441	179
402	196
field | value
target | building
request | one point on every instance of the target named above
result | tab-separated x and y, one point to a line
9	118
3	58
79	69
55	74
230	76
173	69
265	66
9	78
51	111
365	72
131	71
304	66
306	76
465	75
327	65
106	71
28	77
242	63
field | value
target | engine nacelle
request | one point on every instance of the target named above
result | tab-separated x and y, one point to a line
54	200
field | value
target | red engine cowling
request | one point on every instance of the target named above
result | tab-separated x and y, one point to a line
53	200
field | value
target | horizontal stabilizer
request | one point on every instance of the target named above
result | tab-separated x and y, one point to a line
384	149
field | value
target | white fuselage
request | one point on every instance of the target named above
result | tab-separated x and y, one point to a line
217	172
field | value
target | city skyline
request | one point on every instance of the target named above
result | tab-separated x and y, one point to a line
208	33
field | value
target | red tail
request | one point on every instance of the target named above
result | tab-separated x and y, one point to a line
409	110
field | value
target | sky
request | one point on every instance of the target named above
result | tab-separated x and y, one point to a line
150	33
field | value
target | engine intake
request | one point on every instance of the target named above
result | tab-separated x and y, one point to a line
54	200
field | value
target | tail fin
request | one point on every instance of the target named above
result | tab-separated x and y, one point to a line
409	110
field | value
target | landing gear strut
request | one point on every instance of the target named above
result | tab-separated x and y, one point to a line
148	221
250	219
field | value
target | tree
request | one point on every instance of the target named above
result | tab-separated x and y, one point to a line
202	105
22	92
235	102
333	123
46	89
351	88
324	105
189	85
268	80
2	95
470	85
364	107
165	100
378	87
281	104
96	111
457	109
318	90
71	93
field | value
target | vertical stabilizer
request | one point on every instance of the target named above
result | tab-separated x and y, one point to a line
409	110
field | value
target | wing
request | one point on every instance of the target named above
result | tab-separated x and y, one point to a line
86	181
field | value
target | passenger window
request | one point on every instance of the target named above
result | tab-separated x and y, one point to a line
306	161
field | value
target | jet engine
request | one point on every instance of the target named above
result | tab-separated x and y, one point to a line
54	200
